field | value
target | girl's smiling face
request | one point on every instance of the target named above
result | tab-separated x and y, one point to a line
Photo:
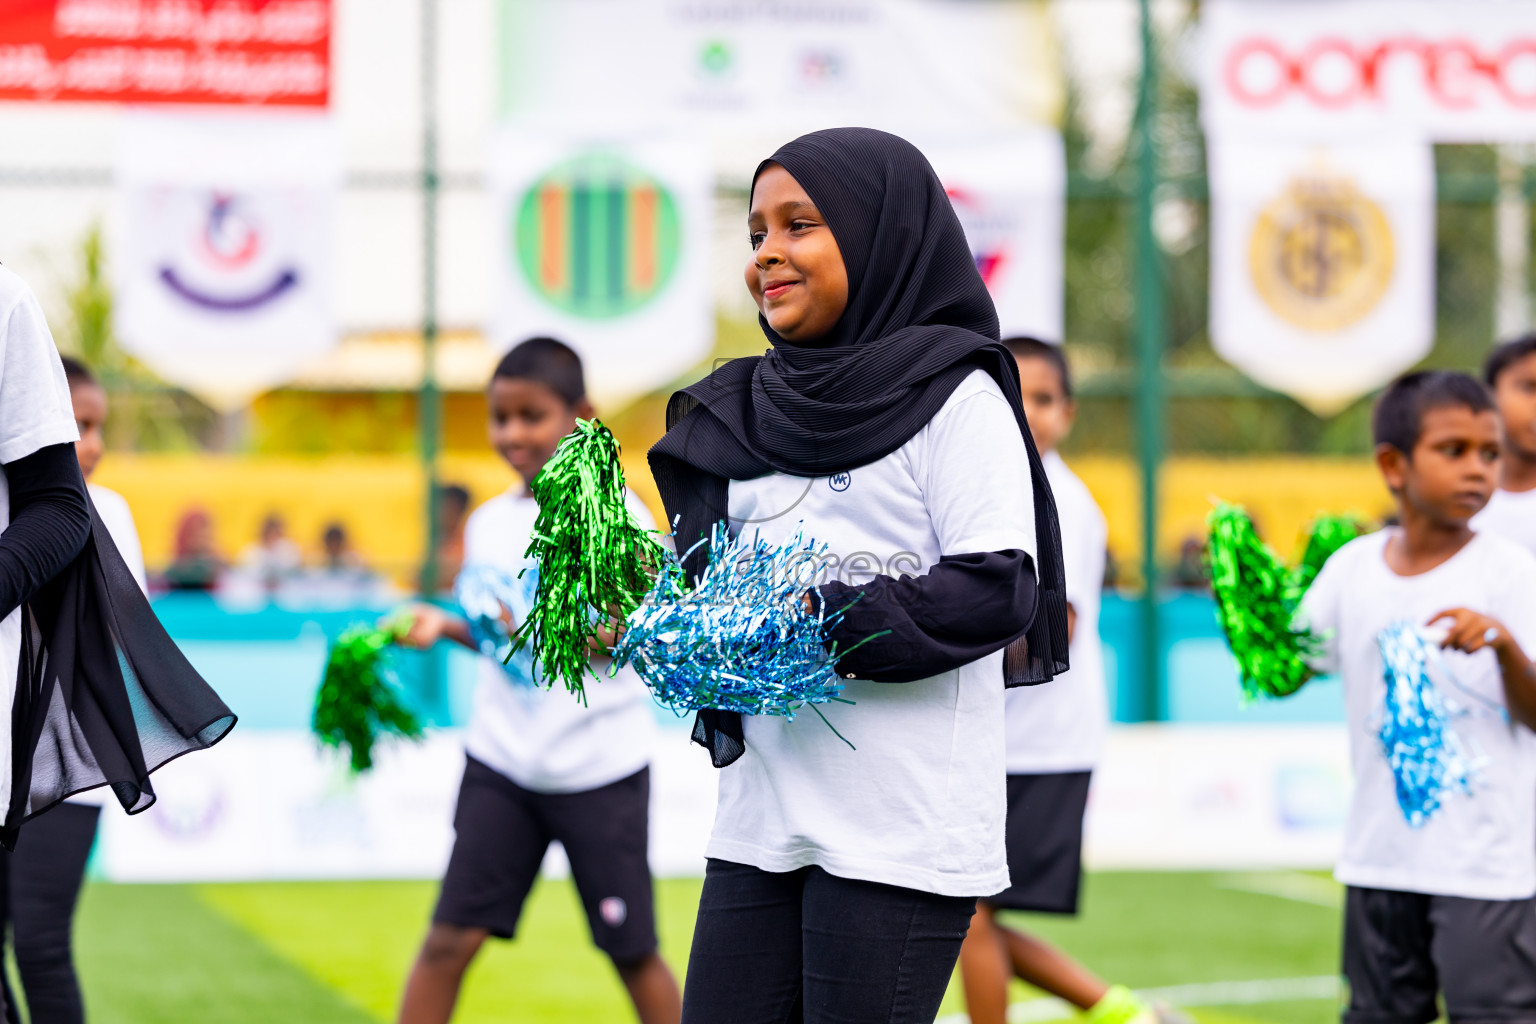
796	274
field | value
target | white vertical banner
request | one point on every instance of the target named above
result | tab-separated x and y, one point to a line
603	242
1010	190
221	246
1322	263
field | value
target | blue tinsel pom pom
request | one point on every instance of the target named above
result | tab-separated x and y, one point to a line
488	597
743	639
1428	758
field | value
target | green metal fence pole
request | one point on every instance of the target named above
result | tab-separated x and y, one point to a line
429	411
1149	356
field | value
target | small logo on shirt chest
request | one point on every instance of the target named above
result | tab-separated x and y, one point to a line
840	481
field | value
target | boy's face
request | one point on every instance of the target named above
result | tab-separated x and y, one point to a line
796	274
1453	469
1515	393
90	402
527	421
1047	406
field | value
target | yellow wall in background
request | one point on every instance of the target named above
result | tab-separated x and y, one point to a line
379	497
1283	494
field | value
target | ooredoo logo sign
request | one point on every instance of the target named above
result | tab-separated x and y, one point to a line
1450	71
1334	73
597	237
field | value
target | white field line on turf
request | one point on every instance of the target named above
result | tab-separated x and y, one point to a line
1216	993
1288	885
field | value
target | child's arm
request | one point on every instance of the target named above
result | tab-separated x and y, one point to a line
1472	631
429	624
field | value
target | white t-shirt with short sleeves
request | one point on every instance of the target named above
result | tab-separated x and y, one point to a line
118	519
1059	726
1476	846
35	412
544	739
919	799
1510	514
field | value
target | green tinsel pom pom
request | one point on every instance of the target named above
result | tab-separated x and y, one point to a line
1256	598
594	561
1327	535
358	697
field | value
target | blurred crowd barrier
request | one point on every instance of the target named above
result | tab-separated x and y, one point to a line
1216	786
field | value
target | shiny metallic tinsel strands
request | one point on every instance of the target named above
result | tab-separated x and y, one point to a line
595	562
743	639
1428	759
359	696
1257	597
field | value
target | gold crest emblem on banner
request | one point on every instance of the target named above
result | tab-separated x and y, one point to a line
1321	253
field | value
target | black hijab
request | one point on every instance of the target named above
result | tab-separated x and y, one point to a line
919	320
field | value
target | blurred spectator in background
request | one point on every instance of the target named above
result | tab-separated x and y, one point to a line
197	565
340	579
452	511
274	557
1189	573
1112	575
337	557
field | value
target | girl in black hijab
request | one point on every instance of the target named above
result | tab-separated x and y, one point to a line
885	421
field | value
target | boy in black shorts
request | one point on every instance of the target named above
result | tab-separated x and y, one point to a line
1054	735
1444	906
540	766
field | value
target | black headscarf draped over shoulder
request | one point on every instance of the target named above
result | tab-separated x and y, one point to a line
919	320
104	696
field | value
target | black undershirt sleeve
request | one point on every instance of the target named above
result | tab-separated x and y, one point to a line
50	522
913	627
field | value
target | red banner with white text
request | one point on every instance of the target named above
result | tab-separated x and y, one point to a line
246	52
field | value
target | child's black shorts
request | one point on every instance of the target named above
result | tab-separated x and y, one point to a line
1045	842
1400	948
501	833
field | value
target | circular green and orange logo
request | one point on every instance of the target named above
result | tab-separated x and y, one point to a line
597	237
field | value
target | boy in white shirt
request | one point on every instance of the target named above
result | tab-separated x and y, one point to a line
1446	907
540	765
1510	372
1054	734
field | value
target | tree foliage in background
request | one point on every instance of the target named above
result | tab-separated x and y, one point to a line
1212	408
146	414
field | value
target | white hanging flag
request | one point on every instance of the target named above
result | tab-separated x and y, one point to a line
603	242
221	247
1009	191
1322	264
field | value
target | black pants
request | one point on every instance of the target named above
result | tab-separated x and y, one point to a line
1401	948
806	947
41	884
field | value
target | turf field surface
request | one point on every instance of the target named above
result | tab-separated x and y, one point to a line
1232	948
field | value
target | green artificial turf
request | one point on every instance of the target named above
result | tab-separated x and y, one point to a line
338	952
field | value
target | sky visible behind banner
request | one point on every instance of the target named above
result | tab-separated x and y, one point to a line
268	52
